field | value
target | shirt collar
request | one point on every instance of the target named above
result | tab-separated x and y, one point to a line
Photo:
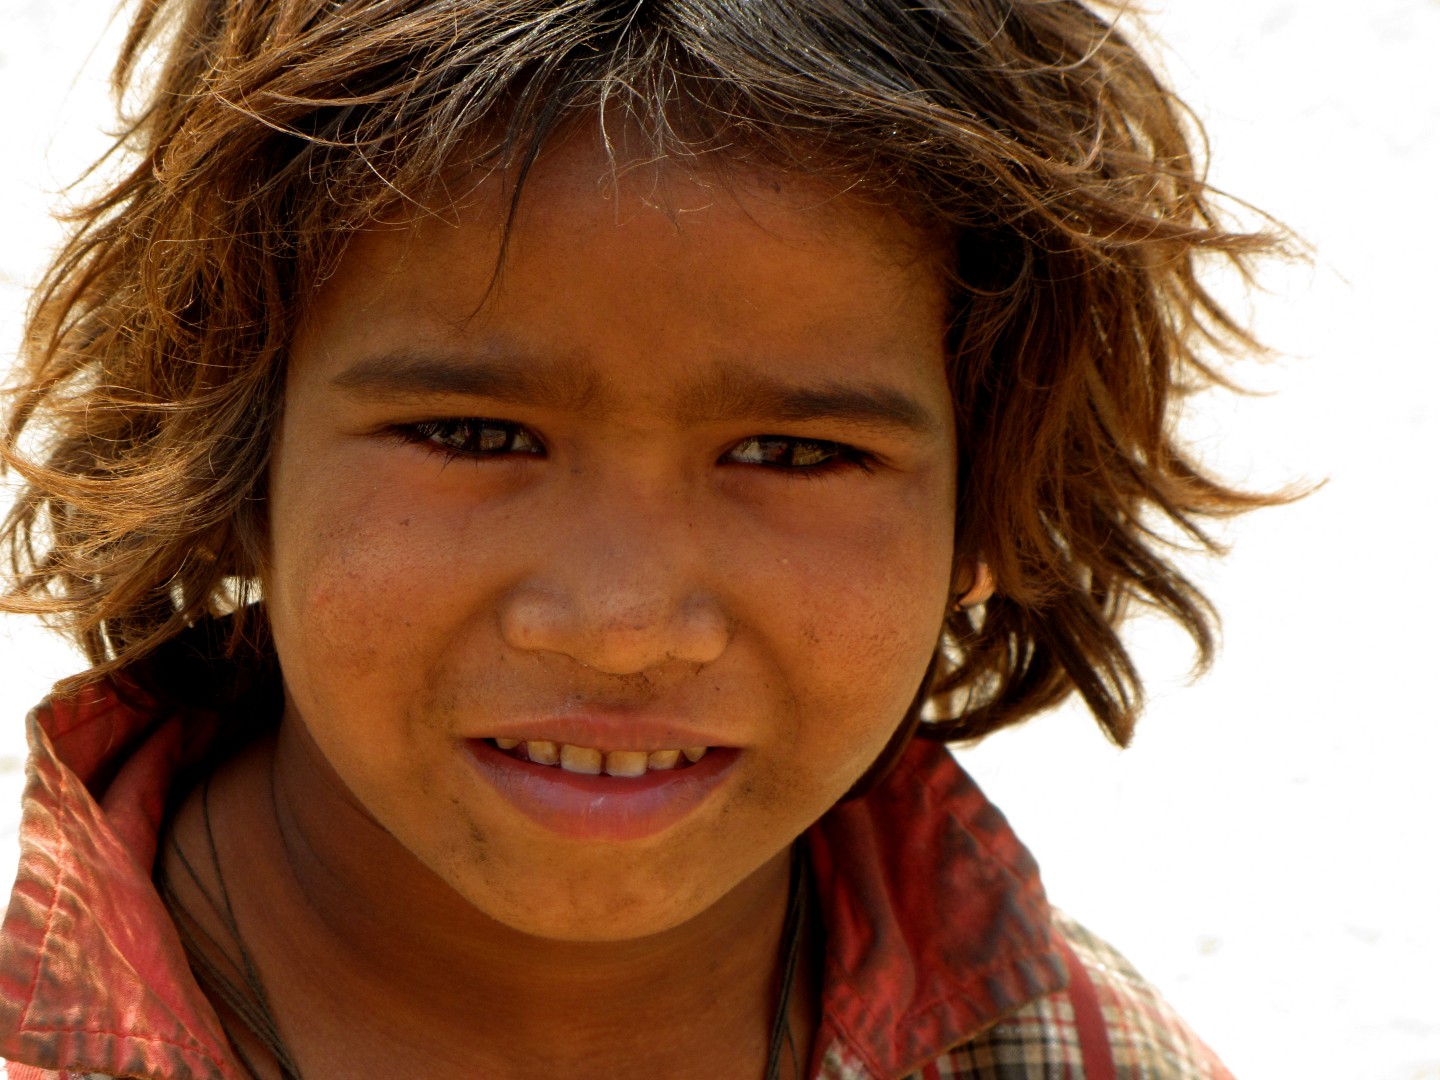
92	974
936	924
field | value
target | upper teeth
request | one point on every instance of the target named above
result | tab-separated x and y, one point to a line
592	762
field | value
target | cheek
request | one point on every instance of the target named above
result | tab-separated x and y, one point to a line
862	614
879	586
356	577
334	594
355	612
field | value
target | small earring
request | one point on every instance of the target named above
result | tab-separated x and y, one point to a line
982	587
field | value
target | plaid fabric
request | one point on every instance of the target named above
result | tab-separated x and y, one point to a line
1040	1041
1037	1043
1148	1040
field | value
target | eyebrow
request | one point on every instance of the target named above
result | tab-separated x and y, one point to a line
731	392
498	373
735	392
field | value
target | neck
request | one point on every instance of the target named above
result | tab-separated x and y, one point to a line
350	933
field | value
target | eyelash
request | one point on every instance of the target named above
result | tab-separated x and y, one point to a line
777	452
438	436
838	457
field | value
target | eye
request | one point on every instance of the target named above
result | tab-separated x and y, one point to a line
801	457
472	437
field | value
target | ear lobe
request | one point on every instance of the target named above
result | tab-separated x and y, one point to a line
981	584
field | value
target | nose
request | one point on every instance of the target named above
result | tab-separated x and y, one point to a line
620	592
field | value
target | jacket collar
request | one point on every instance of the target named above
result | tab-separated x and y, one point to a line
936	924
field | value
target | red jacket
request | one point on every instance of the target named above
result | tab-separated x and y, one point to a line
943	959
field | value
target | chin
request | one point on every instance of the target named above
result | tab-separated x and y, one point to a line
596	918
612	899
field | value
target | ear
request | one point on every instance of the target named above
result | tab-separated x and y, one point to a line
973	583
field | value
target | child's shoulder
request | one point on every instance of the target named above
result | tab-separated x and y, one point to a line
1107	1010
1107	1023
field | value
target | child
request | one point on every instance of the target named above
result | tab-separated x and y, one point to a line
539	483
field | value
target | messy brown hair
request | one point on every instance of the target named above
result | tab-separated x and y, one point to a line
1029	136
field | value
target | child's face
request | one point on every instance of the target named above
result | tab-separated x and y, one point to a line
710	503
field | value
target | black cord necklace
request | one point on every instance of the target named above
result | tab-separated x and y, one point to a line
792	936
246	999
247	1002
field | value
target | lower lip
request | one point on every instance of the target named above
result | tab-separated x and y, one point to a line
601	807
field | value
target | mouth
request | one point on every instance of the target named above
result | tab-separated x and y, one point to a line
597	793
591	761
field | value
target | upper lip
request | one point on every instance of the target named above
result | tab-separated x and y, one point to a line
603	730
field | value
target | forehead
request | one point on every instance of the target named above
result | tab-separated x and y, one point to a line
716	270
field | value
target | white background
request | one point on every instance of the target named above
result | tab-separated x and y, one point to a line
1267	851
